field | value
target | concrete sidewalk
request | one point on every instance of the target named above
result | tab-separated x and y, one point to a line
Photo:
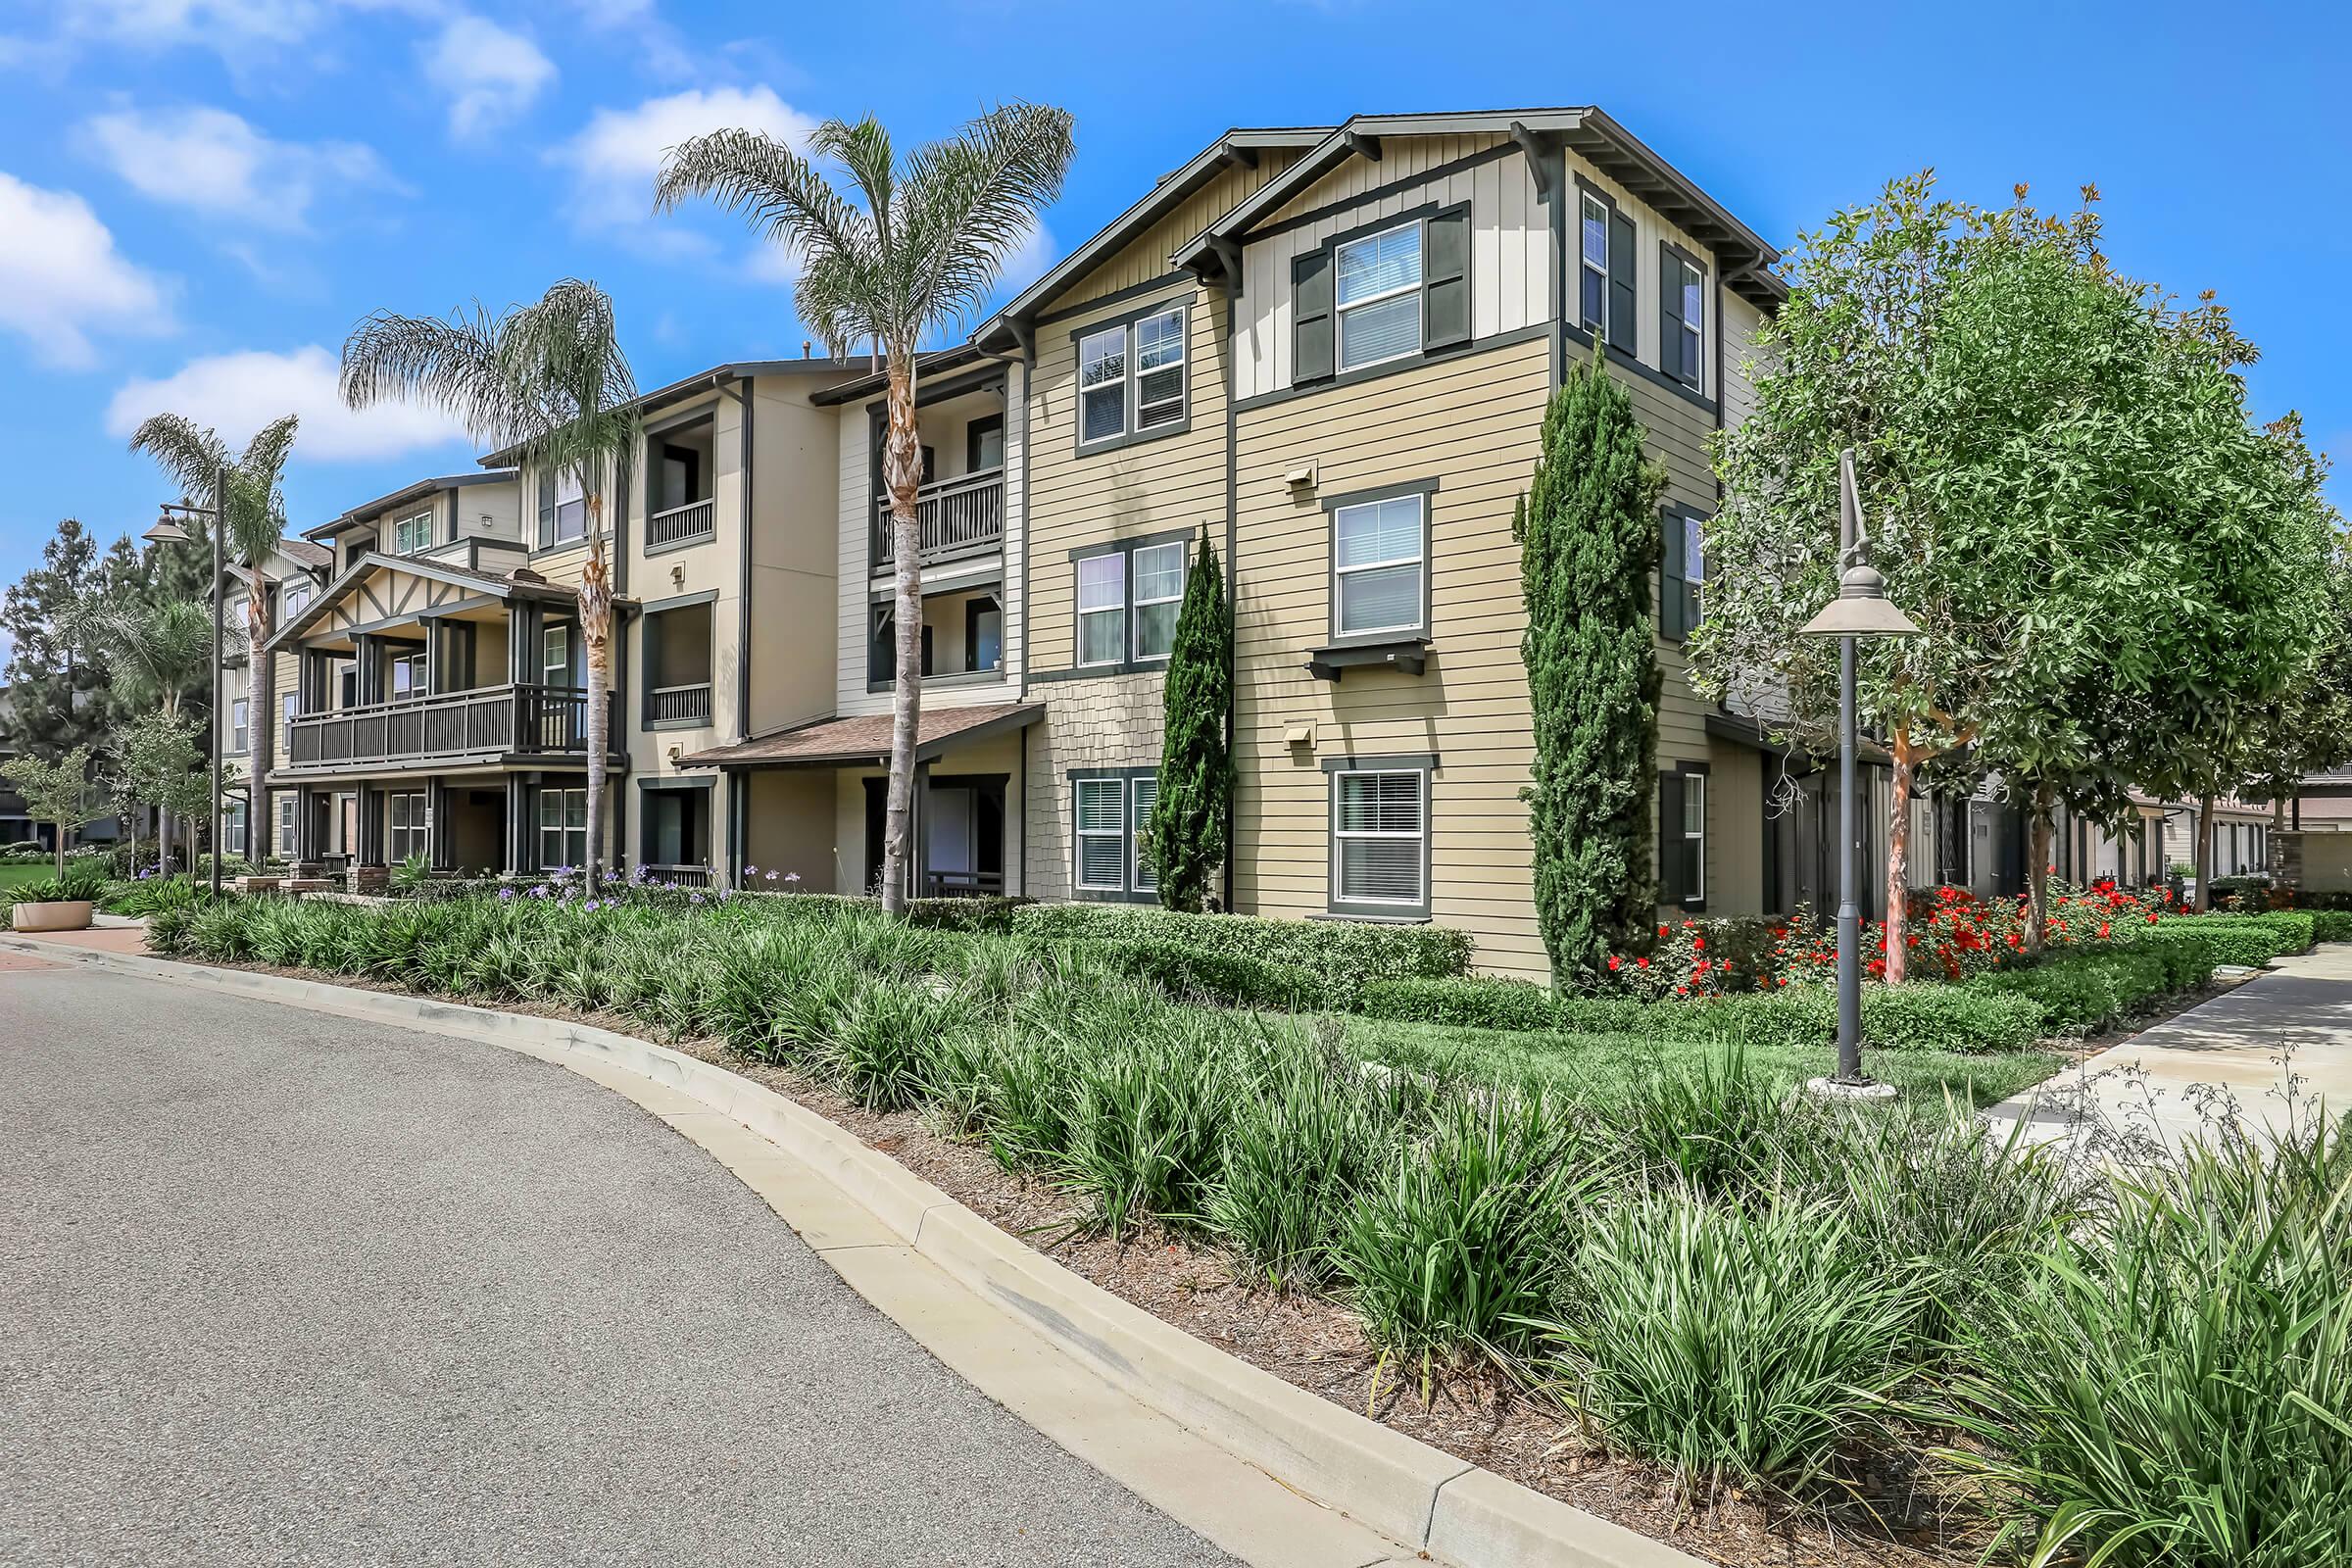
2280	1045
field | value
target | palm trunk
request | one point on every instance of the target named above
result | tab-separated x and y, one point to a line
596	638
261	718
902	473
1898	859
2038	872
2204	894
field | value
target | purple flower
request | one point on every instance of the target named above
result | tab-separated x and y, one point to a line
751	870
789	876
506	894
771	876
694	897
590	908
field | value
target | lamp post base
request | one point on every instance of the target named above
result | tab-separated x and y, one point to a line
1838	1089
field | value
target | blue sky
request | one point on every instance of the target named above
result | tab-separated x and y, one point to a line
198	198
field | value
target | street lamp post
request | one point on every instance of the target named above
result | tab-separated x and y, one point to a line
168	531
1860	609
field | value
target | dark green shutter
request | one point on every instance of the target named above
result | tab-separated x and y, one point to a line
1670	314
1310	316
1446	279
1624	297
1673	600
1670	838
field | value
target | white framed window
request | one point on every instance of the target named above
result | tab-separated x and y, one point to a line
563	509
562	828
1685	289
239	737
298	598
1143	793
1377	296
1103	386
408	677
555	655
1158	597
1100	806
287	707
406	820
287	804
1694	838
1159	370
1377	554
412	533
1103	608
1593	274
1380	839
233	824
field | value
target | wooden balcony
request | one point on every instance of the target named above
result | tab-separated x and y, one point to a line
959	517
679	705
488	723
682	525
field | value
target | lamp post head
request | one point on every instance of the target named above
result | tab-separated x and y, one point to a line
166	531
1860	609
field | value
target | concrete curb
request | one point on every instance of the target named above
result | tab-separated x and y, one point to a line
1395	1485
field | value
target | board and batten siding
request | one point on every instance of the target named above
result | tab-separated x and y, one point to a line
1145	257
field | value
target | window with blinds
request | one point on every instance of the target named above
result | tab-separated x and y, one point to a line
1159	595
1159	370
1376	553
1101	808
1143	794
1103	609
1378	838
1379	297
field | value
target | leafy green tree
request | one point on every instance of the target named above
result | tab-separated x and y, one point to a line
1587	532
57	792
919	245
158	652
246	492
156	763
548	382
1192	813
55	677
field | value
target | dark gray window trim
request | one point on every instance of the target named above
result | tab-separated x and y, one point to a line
1424	764
1130	436
1706	838
1409	362
1427	490
709	596
1650	373
675	782
886	596
700	414
1381	226
1572	309
1127	892
1706	276
1378	193
1679	511
1418	217
1128	664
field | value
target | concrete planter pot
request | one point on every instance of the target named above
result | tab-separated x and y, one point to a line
56	914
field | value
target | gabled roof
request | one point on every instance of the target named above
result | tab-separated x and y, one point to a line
716	376
1592	134
1240	145
866	737
495	585
368	510
928	363
304	553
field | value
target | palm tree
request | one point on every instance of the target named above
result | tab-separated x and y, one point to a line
548	384
155	652
246	494
922	249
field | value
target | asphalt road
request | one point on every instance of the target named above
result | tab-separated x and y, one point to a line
283	1288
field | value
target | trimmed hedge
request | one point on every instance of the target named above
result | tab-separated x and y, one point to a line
2331	925
1342	954
1910	1017
2227	938
2298	928
1188	974
2080	993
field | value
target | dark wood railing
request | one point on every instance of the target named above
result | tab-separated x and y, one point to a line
690	704
488	720
696	519
959	517
685	876
962	884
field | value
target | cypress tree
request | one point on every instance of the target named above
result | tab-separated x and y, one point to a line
1589	534
1193	810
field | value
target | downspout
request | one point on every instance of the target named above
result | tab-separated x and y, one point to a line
1232	566
1025	357
743	571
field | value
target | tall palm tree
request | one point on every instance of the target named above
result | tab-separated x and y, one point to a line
155	650
246	494
921	246
549	383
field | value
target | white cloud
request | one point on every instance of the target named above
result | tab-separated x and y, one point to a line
490	74
223	24
236	394
615	156
1028	264
214	162
60	276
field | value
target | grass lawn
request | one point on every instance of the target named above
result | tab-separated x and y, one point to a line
1597	1066
16	875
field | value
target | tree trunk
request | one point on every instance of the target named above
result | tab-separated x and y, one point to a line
61	852
1898	859
596	641
2203	898
902	473
163	841
2038	872
262	717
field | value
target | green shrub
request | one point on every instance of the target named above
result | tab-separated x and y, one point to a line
1735	1347
2331	925
1340	953
1302	1145
1145	1124
1189	974
883	1047
1457	1249
2224	938
1709	1124
2086	990
2297	928
2171	1387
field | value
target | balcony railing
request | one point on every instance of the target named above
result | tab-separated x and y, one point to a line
684	876
676	525
486	721
959	517
679	705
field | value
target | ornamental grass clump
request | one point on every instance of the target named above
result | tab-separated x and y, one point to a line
1147	1121
884	1048
1303	1142
1735	1346
1711	1122
2174	1385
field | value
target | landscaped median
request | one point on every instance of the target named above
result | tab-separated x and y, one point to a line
1693	1283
